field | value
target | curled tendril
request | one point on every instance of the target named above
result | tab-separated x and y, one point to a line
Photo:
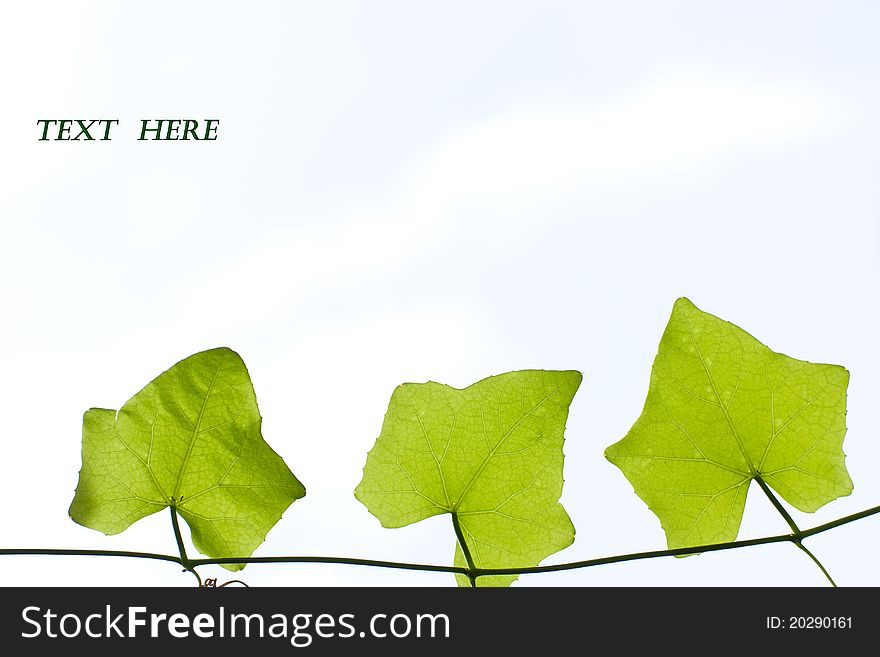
211	582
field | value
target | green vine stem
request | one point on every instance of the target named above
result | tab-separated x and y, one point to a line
192	564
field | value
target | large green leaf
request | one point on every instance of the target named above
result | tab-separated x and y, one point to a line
722	410
190	439
491	454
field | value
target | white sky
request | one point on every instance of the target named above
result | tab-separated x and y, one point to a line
402	192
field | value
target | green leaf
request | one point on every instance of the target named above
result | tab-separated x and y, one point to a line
491	454
190	439
722	410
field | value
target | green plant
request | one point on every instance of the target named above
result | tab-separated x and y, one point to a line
722	410
189	441
489	455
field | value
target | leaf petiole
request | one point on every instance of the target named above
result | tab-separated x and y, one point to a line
184	560
462	543
796	531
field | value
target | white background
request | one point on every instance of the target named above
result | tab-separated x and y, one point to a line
404	191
